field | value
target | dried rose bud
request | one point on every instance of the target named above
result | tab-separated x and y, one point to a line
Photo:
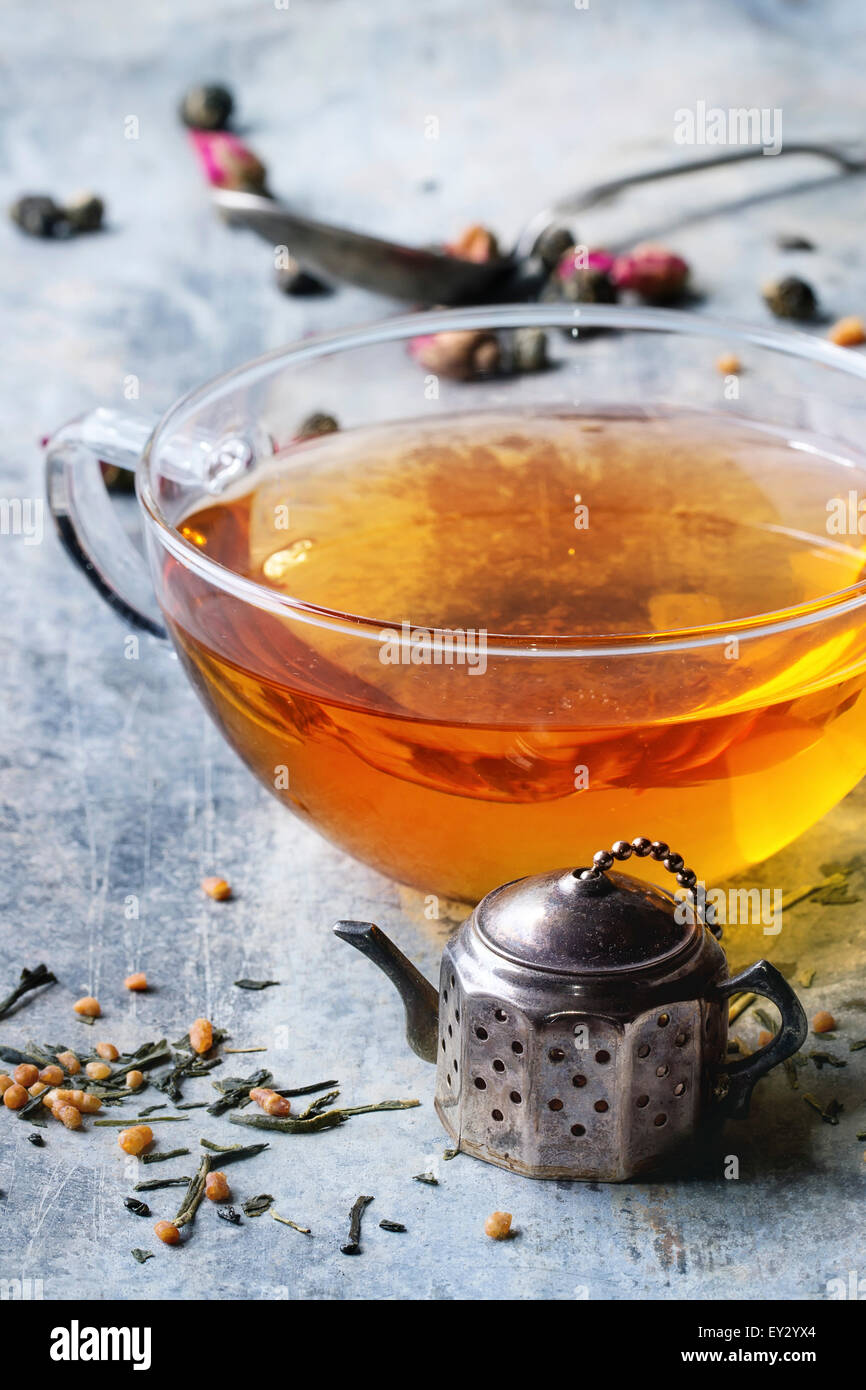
227	163
475	244
653	272
580	258
460	355
201	1036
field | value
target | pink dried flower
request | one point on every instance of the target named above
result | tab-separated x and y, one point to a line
653	272
577	258
226	161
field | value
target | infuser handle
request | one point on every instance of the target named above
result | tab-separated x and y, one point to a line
764	979
85	519
645	848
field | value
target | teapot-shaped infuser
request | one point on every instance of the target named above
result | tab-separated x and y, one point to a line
581	1025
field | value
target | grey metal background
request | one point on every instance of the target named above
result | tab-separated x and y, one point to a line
114	783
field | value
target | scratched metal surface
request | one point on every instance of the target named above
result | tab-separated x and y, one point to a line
113	782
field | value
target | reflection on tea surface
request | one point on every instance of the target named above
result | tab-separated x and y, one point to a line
533	526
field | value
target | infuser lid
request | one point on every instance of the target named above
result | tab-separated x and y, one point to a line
568	924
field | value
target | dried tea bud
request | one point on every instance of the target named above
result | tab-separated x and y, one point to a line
69	1062
135	1140
167	1232
477	244
848	332
552	245
227	163
84	212
498	1225
201	1036
25	1074
460	354
823	1022
15	1096
529	350
293	279
38	215
315	424
790	298
68	1115
88	1007
216	1186
216	888
653	272
107	1050
208	107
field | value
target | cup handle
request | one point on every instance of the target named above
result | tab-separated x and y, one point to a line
83	514
735	1079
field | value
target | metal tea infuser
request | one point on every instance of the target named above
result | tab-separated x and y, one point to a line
581	1024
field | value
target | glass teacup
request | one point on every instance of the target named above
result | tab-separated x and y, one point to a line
489	625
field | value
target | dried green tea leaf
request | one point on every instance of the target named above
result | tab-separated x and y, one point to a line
142	1255
161	1157
396	1226
429	1179
229	1214
353	1244
29	980
231	1153
255	984
826	1059
153	1184
257	1206
284	1221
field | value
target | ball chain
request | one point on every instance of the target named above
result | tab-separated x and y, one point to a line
644	849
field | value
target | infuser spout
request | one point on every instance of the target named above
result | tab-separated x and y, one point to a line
419	997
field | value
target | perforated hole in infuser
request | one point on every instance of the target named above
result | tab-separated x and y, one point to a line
601	1106
482	1033
577	1131
443	1044
453	982
457	1015
660	1120
456	1068
516	1097
498	1065
578	1080
642	1102
450	1031
517	1047
448	1078
662	1071
481	1083
496	1114
445	995
643	1050
680	1088
556	1054
601	1057
681	1039
500	1015
664	1020
554	1104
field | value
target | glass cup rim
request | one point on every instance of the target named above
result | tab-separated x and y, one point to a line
790	343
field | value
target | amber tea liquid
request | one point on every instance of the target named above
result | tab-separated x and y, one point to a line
536	526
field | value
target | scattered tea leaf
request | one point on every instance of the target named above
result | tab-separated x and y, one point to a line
805	978
284	1221
429	1179
36	1140
858	1045
29	980
307	1090
353	1244
12	1055
86	1018
288	1124
151	1119
137	1207
861	1136
450	1153
192	1201
255	984
153	1184
142	1255
143	1114
231	1153
829	1113
235	1051
392	1226
235	1090
184	1068
826	1059
257	1206
229	1214
319	1104
161	1157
